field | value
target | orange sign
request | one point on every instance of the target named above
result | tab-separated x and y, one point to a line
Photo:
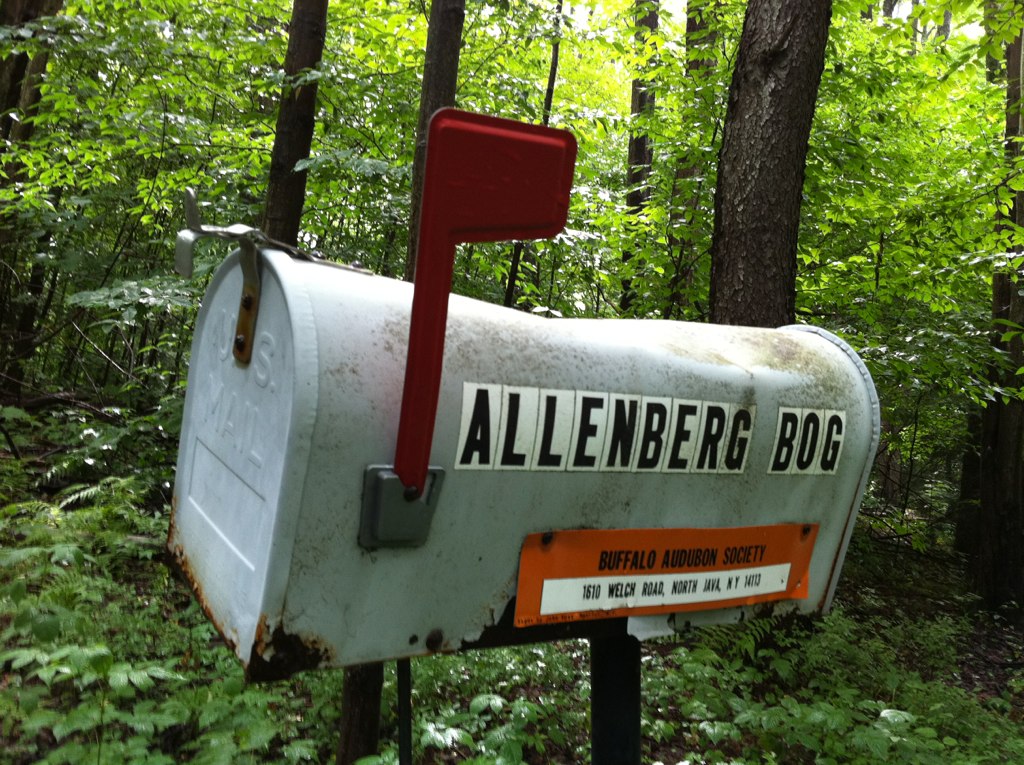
567	576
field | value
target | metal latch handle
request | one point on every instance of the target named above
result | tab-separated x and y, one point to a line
250	240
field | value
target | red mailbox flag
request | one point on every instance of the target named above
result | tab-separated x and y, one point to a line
486	180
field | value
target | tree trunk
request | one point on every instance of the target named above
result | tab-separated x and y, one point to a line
286	190
519	248
360	708
998	566
440	76
296	119
20	82
360	712
968	503
639	156
700	35
761	163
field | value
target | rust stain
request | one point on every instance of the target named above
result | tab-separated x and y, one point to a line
182	564
277	654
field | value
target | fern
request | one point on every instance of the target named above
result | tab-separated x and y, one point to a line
736	641
118	488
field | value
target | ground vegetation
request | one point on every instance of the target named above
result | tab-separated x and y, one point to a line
905	216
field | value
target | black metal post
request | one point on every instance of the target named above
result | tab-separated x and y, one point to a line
615	700
404	672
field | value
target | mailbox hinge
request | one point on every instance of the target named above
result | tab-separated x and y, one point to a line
249	305
392	515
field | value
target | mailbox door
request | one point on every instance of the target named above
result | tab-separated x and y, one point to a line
245	443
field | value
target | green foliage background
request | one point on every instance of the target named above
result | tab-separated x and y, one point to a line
905	176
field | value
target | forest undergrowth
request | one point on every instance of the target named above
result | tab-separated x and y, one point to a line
106	658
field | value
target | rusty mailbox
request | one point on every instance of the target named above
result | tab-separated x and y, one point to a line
583	474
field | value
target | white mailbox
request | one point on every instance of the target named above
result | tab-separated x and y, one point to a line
645	474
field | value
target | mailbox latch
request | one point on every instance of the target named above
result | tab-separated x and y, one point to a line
392	515
249	241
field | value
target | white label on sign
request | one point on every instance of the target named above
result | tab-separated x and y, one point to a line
521	428
604	593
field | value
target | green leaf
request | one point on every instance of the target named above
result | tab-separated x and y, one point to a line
11	413
46	628
302	750
486	702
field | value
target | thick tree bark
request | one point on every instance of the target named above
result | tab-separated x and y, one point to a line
998	566
19	88
761	163
296	119
440	76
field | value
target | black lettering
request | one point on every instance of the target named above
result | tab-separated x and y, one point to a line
650	589
478	437
621	589
739	437
682	435
714	429
546	458
653	439
587	431
623	432
808	441
788	422
508	454
690	557
602	562
833	443
684	586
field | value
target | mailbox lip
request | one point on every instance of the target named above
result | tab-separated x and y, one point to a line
869	461
304	342
302	345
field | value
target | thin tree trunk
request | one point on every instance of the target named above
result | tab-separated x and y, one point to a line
440	77
360	707
519	249
966	538
639	154
699	36
296	119
762	160
360	701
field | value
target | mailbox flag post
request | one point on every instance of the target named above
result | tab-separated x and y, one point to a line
486	180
